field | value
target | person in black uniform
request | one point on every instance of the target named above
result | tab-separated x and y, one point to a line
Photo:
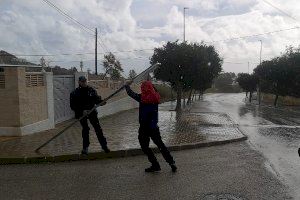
83	99
148	119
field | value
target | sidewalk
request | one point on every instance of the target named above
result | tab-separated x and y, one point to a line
188	130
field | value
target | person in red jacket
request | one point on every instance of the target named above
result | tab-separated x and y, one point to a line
148	119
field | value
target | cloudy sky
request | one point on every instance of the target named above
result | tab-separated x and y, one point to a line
132	28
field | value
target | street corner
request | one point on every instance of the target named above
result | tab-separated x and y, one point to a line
12	160
38	159
65	158
103	155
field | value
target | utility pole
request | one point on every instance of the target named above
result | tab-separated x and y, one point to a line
260	51
81	66
259	82
184	23
248	68
96	36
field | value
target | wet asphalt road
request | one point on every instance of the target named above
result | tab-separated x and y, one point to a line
233	169
275	132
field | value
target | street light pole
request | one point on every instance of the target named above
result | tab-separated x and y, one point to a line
260	51
259	82
96	37
184	23
248	68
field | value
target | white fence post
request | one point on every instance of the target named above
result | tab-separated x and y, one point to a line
50	97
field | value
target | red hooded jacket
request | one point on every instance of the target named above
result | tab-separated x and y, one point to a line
149	95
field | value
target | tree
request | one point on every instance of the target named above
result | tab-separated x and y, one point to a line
112	66
182	65
248	82
7	58
281	75
132	74
292	63
208	66
74	69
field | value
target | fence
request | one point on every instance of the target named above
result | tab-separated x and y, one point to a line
31	102
63	85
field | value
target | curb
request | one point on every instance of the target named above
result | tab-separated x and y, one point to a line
112	154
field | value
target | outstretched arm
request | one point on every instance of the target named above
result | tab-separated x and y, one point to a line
132	94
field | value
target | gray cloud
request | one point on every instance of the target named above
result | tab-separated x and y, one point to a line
32	27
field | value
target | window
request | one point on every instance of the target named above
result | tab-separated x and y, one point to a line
34	80
2	80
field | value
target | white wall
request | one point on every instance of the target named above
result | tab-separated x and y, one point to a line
123	104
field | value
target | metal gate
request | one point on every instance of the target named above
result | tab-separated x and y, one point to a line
63	85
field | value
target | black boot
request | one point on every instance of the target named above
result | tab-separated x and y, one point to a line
85	151
106	149
153	168
173	167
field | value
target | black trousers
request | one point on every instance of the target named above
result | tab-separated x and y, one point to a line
93	118
144	138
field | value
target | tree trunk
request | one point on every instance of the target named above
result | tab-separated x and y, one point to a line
246	94
179	97
194	95
259	94
250	98
275	101
190	97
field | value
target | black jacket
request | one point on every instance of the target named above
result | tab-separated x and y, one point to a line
83	99
148	113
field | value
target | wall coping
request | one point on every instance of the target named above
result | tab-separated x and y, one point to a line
8	65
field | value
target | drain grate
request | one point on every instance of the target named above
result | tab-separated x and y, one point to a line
222	197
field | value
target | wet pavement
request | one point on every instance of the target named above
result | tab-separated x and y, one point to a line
211	173
275	132
256	169
121	130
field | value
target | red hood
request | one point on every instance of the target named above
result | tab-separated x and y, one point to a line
149	95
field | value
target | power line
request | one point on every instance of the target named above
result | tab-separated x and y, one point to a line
135	50
240	63
80	25
65	61
75	54
280	10
63	13
254	35
104	47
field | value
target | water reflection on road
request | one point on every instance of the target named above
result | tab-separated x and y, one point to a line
273	131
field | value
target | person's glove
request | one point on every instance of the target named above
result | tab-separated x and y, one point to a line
127	86
128	83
